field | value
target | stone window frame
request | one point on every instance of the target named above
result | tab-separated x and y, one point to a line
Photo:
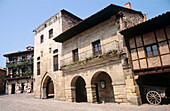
42	38
96	46
50	33
38	67
55	63
75	54
55	51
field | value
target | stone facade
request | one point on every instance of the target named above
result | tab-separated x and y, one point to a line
108	34
104	77
47	50
21	86
20	71
2	80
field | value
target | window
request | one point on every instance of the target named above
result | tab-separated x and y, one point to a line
75	55
41	53
49	50
55	60
23	70
50	33
38	68
96	47
38	58
14	71
152	50
45	25
23	58
41	38
55	51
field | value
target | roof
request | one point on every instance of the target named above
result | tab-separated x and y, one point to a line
91	21
147	26
18	53
70	14
62	11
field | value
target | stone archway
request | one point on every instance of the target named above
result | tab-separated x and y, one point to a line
47	88
78	89
102	88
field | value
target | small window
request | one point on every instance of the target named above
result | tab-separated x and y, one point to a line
23	70
49	50
50	33
41	38
45	25
38	58
41	53
23	58
38	68
55	60
55	51
75	55
96	47
152	50
14	71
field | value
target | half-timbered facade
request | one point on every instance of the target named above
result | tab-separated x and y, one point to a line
149	47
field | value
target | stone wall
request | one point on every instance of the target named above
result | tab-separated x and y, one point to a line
115	72
64	81
2	81
47	50
106	32
124	87
18	86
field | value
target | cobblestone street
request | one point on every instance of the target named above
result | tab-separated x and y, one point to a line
28	103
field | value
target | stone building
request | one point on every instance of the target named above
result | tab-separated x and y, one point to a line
47	55
2	80
90	64
149	52
20	71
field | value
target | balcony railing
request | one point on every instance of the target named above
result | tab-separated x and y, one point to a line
26	74
19	63
85	56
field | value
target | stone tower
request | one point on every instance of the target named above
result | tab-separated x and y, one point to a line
47	55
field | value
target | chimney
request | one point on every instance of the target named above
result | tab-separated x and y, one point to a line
30	48
128	5
144	15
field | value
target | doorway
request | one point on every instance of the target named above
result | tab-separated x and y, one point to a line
22	87
81	94
103	91
13	89
50	89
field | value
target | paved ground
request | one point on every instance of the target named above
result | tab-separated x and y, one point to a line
26	102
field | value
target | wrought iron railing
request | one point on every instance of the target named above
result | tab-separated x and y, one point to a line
26	74
19	63
112	45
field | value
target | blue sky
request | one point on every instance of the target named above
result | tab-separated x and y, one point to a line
18	18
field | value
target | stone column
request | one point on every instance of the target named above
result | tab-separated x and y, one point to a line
44	96
91	93
9	88
119	93
70	94
132	90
